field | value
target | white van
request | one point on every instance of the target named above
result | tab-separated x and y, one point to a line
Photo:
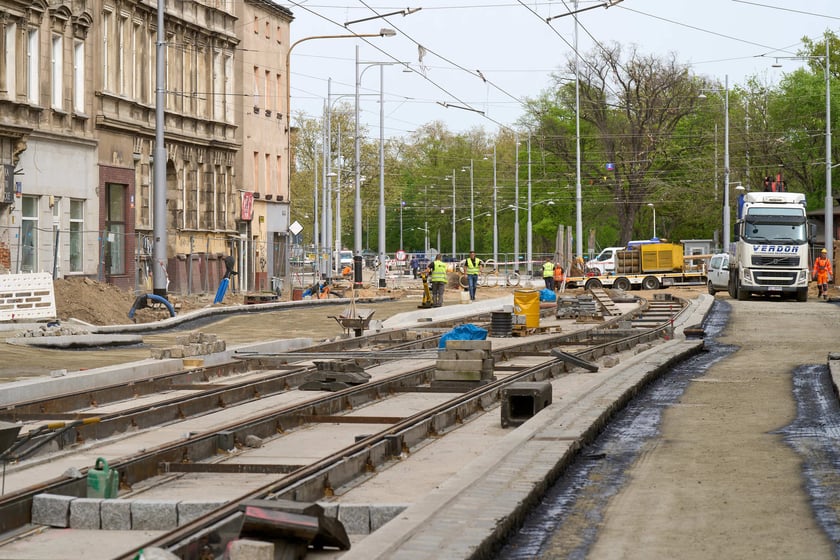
604	263
718	273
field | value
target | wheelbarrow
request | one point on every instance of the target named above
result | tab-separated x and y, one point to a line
356	320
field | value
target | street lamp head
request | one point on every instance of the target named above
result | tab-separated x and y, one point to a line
651	205
387	32
701	96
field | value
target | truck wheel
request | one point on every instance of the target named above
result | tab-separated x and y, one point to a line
650	283
802	295
593	284
743	295
622	284
712	290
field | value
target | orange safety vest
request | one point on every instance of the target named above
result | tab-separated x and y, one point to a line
822	268
558	273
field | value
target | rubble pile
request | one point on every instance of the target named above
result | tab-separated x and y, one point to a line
193	344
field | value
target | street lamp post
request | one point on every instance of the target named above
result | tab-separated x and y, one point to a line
726	211
516	206
495	212
453	216
829	199
528	232
472	207
654	219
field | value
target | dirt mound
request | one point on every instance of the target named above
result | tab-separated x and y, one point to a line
99	303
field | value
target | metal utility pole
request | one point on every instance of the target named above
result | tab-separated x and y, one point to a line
159	275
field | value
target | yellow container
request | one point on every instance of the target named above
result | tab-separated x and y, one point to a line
527	303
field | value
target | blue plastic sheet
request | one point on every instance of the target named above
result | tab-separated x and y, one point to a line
463	332
547	295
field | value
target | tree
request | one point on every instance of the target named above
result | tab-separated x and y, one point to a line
632	108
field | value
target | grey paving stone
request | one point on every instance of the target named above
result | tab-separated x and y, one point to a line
51	509
84	513
382	514
355	518
115	515
147	515
244	549
188	511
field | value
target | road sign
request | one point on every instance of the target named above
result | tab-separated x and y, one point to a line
400	255
295	228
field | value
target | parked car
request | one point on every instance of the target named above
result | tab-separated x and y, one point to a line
718	273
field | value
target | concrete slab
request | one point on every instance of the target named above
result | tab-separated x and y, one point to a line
84	513
147	515
52	510
115	515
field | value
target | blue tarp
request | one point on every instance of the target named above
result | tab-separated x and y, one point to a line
463	332
547	295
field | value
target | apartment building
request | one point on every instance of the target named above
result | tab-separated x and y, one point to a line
264	139
77	134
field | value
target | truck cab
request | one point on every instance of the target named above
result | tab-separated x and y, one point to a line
771	246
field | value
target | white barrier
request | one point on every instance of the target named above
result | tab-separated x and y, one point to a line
27	296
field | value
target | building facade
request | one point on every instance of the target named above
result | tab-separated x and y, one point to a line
264	140
77	139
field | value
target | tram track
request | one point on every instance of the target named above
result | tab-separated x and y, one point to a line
200	452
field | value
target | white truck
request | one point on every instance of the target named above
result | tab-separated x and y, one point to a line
604	263
771	240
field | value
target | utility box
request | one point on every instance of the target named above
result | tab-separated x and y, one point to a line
522	400
103	481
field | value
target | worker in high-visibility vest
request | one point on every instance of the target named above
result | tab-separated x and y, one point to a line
473	266
437	270
548	273
821	273
559	276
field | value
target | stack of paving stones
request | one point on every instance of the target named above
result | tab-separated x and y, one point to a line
575	307
464	365
116	515
193	344
53	329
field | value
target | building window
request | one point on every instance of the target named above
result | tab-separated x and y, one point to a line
79	77
29	234
33	71
115	229
106	51
9	62
279	173
228	88
267	90
121	60
256	25
267	174
77	227
57	71
137	62
256	86
256	177
278	107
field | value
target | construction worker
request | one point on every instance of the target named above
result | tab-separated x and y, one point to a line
473	266
822	273
437	270
559	276
548	273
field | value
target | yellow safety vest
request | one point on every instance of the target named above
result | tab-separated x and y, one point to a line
548	269
438	271
472	266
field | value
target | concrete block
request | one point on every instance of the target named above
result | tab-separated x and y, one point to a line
245	549
459	365
176	352
209	338
355	518
441	375
147	515
522	400
51	509
115	515
189	511
195	337
471	355
382	514
219	346
225	440
330	509
84	513
469	345
182	340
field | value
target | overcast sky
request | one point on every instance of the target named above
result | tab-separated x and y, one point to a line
515	50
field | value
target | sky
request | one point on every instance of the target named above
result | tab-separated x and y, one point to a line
489	56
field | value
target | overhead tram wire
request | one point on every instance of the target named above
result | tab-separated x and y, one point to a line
456	65
786	9
385	53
